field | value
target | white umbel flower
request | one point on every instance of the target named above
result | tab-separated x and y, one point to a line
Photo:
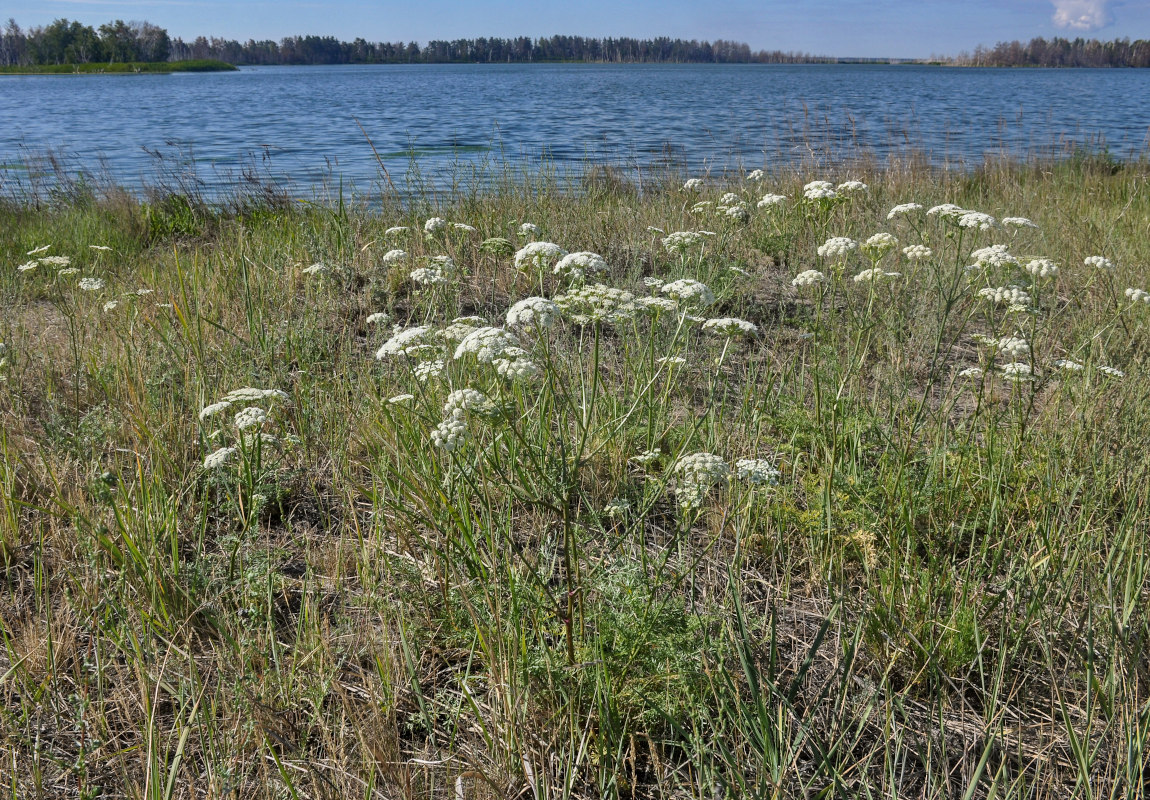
681	241
819	190
91	284
809	277
538	255
730	326
1018	222
219	457
434	225
533	312
995	255
252	415
851	187
212	409
1138	296
903	209
755	175
837	247
1098	262
393	257
486	344
917	252
772	201
1111	372
699	472
1006	295
528	229
578	266
689	292
947	211
1042	268
1017	372
404	340
756	471
693	185
879	245
976	220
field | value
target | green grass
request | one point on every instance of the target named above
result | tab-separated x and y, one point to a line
945	595
121	68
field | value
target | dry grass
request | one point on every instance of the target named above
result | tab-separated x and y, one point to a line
945	596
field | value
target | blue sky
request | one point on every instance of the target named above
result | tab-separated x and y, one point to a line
907	28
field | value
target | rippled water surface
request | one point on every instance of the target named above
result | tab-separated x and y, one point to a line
298	124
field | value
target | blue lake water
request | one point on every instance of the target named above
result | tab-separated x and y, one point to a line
435	123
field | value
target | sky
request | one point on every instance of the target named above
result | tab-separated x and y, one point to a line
844	28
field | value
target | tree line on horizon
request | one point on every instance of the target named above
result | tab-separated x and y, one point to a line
70	42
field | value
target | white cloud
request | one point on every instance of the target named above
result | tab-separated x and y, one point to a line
1081	15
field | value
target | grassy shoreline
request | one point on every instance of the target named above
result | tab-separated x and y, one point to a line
121	68
354	582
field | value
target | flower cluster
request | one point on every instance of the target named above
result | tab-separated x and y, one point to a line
576	267
451	433
1042	268
689	293
597	303
837	247
903	209
879	245
680	242
538	256
698	473
730	326
917	252
819	190
248	421
533	312
1013	296
809	277
772	200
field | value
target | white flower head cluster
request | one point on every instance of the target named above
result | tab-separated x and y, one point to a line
971	372
689	293
702	207
405	342
852	186
486	344
737	212
426	370
249	417
393	257
947	211
576	267
597	303
917	252
1098	262
1017	372
1111	372
460	327
693	185
249	394
318	268
91	284
819	190
55	261
879	245
439	270
873	275
515	364
28	266
729	199
1068	365
396	230
995	255
655	305
681	241
976	220
755	175
1042	268
772	201
44	248
1014	346
1018	222
730	326
654	284
1015	297
212	409
757	471
399	399
838	247
378	318
538	256
219	457
808	277
465	228
533	312
111	305
451	433
1138	296
699	472
434	225
903	209
528	229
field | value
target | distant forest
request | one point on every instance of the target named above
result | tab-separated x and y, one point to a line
70	42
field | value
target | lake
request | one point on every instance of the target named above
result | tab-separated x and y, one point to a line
433	123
